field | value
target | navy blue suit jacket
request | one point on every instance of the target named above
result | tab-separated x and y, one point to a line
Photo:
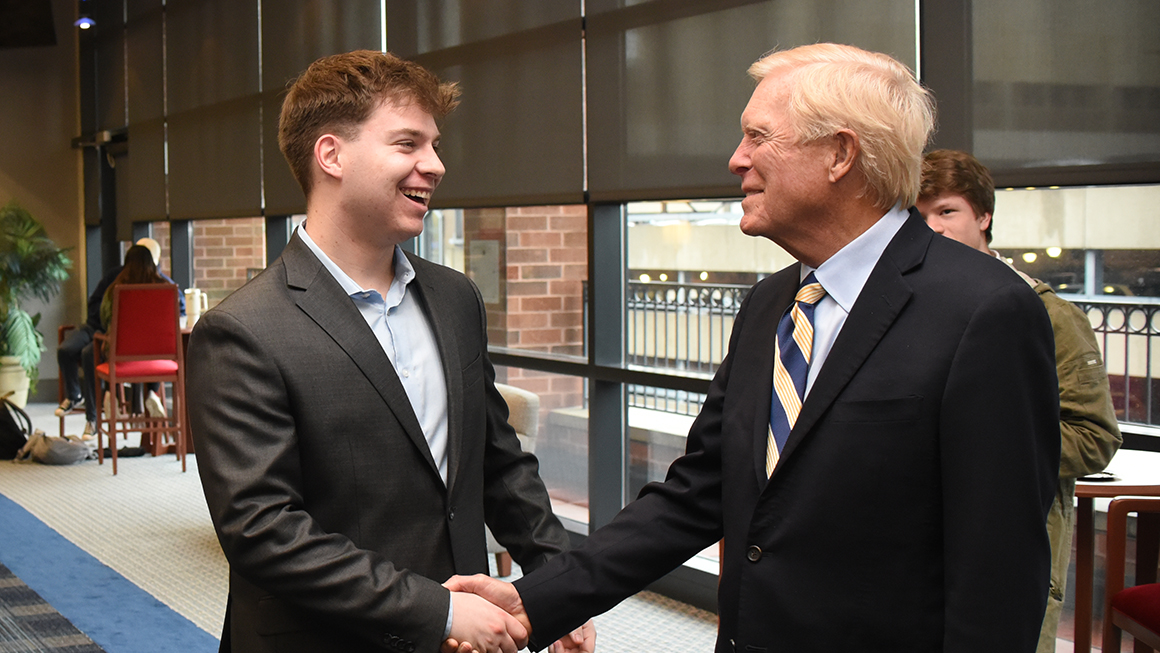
907	512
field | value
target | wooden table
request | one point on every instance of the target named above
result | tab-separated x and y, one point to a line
1139	475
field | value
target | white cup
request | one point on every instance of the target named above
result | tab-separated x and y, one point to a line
196	303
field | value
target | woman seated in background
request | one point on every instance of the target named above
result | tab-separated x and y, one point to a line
140	267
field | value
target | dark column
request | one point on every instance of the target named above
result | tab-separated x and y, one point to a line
181	251
278	230
607	406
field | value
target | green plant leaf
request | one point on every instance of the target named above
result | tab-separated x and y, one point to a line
31	265
21	339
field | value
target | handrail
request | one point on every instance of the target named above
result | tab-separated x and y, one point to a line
685	328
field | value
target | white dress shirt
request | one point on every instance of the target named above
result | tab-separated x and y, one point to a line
843	275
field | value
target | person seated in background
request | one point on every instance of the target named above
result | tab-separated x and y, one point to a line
957	199
140	267
77	348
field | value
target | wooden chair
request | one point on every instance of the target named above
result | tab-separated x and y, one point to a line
143	345
61	331
1134	610
524	417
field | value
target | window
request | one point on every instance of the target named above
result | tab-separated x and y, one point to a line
530	264
225	254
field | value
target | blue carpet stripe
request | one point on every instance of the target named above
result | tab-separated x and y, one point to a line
116	614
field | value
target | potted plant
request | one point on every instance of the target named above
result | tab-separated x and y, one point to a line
31	265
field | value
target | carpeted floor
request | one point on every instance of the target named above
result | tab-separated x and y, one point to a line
149	527
29	623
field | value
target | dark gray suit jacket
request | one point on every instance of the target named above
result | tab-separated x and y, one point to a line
907	512
326	500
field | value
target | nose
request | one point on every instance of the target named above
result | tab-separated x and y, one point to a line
739	163
936	226
431	165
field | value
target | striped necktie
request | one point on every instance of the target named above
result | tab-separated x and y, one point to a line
795	343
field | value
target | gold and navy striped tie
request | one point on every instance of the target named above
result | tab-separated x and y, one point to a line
795	344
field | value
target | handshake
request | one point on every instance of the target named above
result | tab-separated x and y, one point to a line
488	616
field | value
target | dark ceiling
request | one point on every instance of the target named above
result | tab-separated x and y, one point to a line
26	23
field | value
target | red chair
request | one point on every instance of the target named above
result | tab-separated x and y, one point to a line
1134	610
143	345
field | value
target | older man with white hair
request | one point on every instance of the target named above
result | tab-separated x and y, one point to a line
879	448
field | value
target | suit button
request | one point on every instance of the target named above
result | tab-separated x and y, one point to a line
451	514
753	553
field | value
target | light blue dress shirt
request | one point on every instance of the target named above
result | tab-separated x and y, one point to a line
843	275
406	337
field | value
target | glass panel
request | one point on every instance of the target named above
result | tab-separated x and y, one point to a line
1065	82
658	426
519	64
1104	237
145	47
294	34
562	442
1131	272
530	264
439	24
214	137
203	71
667	81
215	160
689	267
110	66
227	254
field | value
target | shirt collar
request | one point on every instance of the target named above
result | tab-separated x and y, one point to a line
404	271
845	273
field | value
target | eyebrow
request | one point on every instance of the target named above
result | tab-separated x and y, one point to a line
414	133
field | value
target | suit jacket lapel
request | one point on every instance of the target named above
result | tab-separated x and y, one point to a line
447	338
882	298
325	302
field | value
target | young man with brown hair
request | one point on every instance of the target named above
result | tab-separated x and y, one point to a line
349	434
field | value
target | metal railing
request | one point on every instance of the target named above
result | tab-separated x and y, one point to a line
681	326
686	326
1128	333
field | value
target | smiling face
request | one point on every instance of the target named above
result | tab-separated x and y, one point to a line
785	181
390	168
951	215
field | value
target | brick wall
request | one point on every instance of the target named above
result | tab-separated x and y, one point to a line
161	232
543	263
223	251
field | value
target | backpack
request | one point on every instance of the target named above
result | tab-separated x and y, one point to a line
51	450
15	425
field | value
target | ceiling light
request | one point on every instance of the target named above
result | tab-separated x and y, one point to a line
84	22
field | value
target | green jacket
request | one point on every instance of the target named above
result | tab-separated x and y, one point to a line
1089	432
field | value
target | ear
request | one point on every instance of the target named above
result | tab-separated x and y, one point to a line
845	153
326	150
984	222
